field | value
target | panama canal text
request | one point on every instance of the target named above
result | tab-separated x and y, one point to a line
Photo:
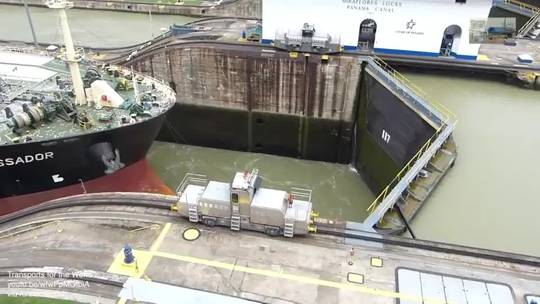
384	6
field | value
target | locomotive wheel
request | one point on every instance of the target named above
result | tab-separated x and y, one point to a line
209	222
272	231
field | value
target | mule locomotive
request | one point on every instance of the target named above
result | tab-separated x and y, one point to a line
245	205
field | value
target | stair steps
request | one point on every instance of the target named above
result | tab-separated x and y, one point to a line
235	222
288	230
193	213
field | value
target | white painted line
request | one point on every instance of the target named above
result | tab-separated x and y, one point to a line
432	286
454	290
409	283
499	294
476	292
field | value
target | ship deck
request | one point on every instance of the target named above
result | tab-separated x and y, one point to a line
28	75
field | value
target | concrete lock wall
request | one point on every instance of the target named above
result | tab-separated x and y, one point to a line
250	99
403	26
245	98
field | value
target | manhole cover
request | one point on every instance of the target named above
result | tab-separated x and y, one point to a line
191	234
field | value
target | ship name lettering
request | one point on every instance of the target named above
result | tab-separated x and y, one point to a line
13	161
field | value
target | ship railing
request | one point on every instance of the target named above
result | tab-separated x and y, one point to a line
160	85
301	193
80	54
191	179
59	4
419	100
11	79
522	6
21	87
26	50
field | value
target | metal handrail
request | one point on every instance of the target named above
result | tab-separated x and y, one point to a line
448	116
301	193
403	171
523	5
191	179
448	119
528	25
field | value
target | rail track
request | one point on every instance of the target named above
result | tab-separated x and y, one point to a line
155	208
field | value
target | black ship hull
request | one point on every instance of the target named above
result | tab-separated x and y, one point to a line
38	166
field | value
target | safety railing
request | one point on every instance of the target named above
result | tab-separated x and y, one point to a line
301	193
402	172
442	112
523	6
191	179
527	27
424	104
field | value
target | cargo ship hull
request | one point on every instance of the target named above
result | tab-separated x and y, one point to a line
32	167
138	177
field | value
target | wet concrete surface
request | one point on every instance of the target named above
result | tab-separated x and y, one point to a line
311	269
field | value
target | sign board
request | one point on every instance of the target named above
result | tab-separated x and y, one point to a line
402	26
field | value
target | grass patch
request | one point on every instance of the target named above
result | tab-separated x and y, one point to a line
32	300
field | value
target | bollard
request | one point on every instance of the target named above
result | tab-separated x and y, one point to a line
129	258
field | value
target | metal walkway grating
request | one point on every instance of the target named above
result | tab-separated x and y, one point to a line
450	289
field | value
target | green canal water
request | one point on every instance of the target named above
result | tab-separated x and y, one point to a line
89	28
338	191
487	200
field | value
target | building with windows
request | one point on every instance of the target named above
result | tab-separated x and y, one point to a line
403	27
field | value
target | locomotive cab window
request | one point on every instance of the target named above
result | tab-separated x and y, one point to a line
234	198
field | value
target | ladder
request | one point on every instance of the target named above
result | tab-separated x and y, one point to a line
235	222
288	230
193	213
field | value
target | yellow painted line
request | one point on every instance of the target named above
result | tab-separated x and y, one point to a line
121	301
300	279
160	238
142	258
482	57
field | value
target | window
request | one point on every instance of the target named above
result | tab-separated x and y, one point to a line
234	198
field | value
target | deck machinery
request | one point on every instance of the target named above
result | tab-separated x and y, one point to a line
245	205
